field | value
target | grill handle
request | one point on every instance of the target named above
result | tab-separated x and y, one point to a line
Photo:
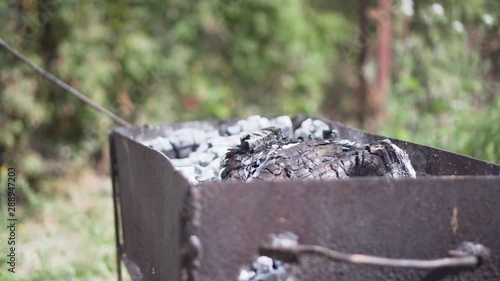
467	256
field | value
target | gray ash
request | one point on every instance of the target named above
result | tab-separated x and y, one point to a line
264	269
258	148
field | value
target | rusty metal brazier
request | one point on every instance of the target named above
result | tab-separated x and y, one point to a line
157	211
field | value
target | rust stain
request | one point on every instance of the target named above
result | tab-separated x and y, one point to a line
454	220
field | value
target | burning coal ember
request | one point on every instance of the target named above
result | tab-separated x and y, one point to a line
258	148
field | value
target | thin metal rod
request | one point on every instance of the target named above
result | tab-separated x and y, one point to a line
461	261
63	85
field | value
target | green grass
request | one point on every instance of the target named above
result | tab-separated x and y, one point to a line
66	232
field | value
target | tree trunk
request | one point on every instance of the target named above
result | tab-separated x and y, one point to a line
380	92
48	42
362	109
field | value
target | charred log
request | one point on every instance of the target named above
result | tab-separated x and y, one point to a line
268	155
242	161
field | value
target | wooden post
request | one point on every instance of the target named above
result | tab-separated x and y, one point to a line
379	94
362	109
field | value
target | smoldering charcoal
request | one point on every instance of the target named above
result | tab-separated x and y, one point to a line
258	148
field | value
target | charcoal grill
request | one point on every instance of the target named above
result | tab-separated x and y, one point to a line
454	199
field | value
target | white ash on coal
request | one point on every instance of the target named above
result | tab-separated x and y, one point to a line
311	128
258	148
197	153
264	269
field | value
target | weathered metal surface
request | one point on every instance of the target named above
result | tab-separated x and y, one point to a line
419	218
150	196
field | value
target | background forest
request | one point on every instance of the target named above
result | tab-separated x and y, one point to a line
178	60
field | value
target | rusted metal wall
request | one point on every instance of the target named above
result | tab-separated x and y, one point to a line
149	197
420	219
396	218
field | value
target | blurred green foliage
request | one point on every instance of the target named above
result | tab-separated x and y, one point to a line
446	79
167	61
